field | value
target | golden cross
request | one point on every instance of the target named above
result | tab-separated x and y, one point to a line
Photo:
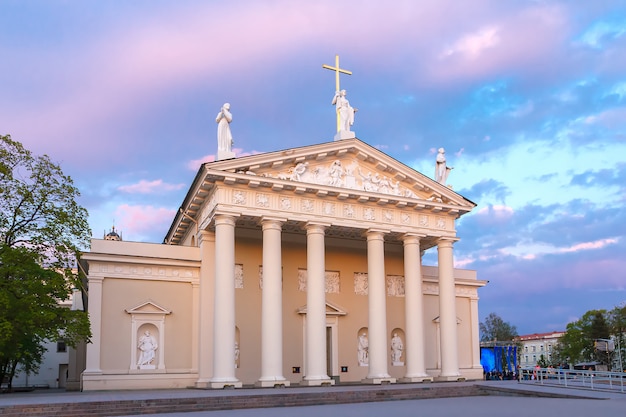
337	71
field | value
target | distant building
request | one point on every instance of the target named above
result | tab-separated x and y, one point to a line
537	344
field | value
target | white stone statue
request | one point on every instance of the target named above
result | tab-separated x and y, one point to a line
396	350
298	170
236	354
346	113
363	350
441	169
147	346
335	174
224	136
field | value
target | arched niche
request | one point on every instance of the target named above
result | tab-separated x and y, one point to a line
147	329
397	347
362	343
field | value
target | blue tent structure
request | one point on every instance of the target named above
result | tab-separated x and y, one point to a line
498	358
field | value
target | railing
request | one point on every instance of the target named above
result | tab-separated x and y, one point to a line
570	378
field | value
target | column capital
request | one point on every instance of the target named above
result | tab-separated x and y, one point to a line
375	234
224	217
412	238
446	242
316	227
268	222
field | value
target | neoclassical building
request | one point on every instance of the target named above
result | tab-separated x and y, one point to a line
301	266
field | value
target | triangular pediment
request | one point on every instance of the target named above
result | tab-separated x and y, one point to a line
148	307
331	310
350	165
348	171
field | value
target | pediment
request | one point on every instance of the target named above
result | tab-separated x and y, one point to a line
148	307
351	166
347	171
331	310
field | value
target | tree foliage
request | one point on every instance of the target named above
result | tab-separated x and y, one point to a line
577	344
617	324
42	227
496	329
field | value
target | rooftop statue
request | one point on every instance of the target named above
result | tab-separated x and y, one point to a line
441	169
224	136
344	110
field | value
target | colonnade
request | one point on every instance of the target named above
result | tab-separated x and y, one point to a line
217	364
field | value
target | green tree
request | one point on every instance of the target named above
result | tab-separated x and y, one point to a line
617	324
542	361
42	227
496	329
577	344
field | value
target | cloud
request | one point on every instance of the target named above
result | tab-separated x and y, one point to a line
601	32
141	221
194	164
598	244
149	187
473	45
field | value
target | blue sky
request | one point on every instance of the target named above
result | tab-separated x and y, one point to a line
527	97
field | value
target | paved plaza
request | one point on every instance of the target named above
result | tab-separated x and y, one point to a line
578	402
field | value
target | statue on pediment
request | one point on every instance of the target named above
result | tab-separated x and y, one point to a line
224	136
441	169
344	110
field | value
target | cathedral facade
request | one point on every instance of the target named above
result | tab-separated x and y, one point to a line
301	266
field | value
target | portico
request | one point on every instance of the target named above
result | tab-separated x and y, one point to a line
281	237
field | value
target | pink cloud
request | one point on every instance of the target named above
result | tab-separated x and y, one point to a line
148	187
195	164
496	212
502	42
598	244
138	221
473	45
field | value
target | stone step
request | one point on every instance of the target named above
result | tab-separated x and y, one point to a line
280	398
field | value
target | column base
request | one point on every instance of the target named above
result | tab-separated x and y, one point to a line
225	384
317	382
274	383
424	378
450	378
379	380
203	383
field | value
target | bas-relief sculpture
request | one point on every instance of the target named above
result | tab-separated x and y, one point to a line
147	351
340	174
361	284
331	279
395	285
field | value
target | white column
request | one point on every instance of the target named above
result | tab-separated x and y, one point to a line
206	241
377	310
447	313
315	365
414	311
224	304
92	363
272	307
